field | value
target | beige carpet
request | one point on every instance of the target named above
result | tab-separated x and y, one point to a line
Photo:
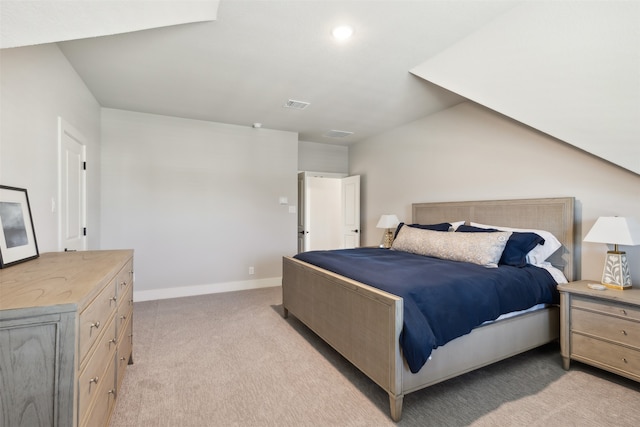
231	359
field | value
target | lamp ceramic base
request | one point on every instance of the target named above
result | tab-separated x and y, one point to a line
616	274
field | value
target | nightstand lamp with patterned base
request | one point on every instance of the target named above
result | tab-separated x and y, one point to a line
388	222
615	230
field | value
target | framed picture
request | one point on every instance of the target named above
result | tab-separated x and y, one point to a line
17	235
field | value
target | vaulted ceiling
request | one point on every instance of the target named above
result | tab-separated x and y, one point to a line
568	68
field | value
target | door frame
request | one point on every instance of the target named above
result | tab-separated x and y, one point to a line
303	219
64	128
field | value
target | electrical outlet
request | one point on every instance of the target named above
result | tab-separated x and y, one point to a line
251	270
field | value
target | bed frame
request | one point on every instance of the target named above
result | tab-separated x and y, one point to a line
364	323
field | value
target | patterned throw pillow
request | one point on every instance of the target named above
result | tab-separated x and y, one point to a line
478	248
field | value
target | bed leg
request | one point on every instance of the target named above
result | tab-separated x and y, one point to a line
286	313
395	403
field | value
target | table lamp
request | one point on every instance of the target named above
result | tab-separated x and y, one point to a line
389	222
615	230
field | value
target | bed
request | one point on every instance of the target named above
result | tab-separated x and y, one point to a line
365	324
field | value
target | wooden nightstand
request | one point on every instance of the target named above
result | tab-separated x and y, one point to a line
601	328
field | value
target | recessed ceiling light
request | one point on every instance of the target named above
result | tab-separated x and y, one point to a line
342	32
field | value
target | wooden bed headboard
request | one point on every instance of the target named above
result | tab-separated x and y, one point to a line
552	214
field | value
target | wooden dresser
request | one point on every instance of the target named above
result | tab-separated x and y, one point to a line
65	337
601	327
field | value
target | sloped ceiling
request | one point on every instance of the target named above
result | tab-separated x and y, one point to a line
243	67
25	23
569	69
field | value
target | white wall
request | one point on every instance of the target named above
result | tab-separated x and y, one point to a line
37	85
197	201
469	152
316	157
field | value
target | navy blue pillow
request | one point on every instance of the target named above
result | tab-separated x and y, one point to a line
444	226
471	229
518	245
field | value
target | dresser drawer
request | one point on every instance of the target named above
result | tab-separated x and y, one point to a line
125	309
606	307
104	399
94	376
620	359
125	279
611	328
94	318
125	346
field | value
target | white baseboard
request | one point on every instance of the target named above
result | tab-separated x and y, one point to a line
188	291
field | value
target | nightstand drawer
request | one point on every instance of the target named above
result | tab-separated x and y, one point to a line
611	328
621	359
606	307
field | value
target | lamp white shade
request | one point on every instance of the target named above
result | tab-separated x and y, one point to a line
614	230
617	231
388	221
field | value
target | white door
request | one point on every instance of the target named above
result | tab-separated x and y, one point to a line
323	226
337	214
351	212
302	214
71	189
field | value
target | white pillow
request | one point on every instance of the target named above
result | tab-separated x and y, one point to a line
540	253
557	274
478	248
455	225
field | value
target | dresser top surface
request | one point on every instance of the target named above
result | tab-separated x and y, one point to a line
627	296
59	278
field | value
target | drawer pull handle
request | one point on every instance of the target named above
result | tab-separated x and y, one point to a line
623	311
123	283
122	359
624	360
123	317
112	391
93	380
112	341
113	298
95	325
624	332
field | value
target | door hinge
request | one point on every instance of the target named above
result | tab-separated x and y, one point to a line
84	231
84	166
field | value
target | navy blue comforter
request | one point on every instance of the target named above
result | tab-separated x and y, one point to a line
443	299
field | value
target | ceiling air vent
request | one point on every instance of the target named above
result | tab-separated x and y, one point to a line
298	105
337	134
